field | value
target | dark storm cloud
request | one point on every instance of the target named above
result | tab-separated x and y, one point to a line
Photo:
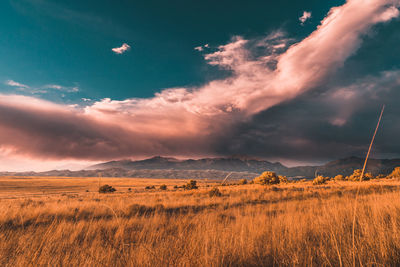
325	124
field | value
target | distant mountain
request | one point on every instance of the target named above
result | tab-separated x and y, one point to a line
216	168
344	166
143	173
233	164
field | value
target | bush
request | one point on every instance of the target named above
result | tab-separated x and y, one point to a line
282	179
357	174
215	192
339	177
267	178
192	184
107	189
176	187
320	180
395	173
163	187
150	187
243	181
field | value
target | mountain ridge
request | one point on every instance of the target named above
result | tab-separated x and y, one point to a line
214	168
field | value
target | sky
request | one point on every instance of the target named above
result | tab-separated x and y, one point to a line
300	82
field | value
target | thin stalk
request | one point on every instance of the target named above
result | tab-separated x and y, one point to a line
358	188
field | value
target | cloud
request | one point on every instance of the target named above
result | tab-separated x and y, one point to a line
67	89
306	16
41	89
122	49
16	84
325	124
194	121
201	48
54	86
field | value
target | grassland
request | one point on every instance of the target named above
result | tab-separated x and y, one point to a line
56	222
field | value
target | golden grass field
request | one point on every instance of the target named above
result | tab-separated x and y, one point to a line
55	222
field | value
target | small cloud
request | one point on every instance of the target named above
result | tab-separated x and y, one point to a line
86	99
306	16
16	84
54	86
62	88
201	47
120	50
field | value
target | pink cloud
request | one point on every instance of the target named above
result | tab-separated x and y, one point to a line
122	49
190	121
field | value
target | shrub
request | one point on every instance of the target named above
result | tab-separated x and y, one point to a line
243	181
339	177
215	192
192	184
282	179
267	178
107	189
163	187
320	180
130	189
357	174
176	187
150	187
395	173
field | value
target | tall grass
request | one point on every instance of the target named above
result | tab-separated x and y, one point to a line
249	225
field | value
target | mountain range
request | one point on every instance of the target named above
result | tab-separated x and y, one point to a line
216	168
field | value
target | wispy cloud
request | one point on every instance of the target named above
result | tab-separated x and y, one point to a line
68	89
193	121
201	47
41	89
16	84
306	16
122	49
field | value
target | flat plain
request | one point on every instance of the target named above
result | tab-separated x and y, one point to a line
53	221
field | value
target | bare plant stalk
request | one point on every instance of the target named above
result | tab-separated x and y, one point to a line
229	174
370	145
358	188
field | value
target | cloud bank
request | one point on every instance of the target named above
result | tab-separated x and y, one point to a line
193	121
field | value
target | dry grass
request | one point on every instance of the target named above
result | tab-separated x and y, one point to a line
249	225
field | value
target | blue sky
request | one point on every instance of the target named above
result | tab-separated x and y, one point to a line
69	42
301	82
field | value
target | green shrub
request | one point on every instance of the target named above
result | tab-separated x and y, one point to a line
267	178
106	189
395	173
192	184
320	180
214	192
282	179
339	177
163	187
243	181
357	175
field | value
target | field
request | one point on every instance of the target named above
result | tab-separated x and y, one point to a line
66	222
